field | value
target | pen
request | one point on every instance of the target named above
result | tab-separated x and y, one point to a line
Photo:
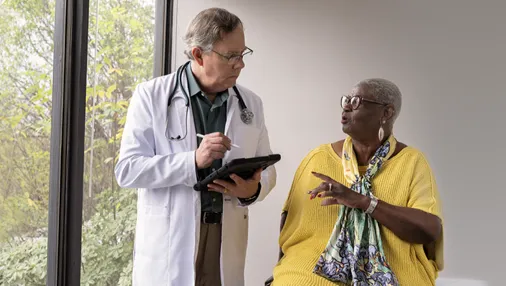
231	144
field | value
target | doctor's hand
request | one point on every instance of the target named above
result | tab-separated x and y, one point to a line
240	188
212	147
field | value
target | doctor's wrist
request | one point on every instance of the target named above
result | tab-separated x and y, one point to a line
252	199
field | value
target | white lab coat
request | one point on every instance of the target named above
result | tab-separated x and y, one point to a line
168	209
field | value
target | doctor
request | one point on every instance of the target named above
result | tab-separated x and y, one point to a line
184	237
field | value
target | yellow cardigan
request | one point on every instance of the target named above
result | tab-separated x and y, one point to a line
405	180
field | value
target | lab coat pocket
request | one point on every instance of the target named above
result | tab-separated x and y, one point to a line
152	234
147	271
151	257
247	138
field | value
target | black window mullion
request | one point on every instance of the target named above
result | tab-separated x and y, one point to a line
164	11
67	142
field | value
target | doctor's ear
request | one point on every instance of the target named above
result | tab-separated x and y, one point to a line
197	55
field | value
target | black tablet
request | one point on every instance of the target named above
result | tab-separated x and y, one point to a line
243	167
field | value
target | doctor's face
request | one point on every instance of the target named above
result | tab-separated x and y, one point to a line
222	66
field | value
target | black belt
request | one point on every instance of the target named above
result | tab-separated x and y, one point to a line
211	218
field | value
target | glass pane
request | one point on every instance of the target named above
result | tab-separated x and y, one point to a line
26	69
120	55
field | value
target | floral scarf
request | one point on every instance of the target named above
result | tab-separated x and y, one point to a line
354	254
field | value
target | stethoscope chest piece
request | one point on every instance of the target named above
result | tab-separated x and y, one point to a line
247	116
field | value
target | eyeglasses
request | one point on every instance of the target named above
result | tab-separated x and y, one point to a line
355	101
233	59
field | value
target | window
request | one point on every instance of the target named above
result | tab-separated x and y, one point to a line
60	130
120	55
26	69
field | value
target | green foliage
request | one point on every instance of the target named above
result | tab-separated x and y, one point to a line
24	263
108	241
120	55
26	31
106	248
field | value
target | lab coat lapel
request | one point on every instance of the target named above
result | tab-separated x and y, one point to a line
192	133
232	106
191	139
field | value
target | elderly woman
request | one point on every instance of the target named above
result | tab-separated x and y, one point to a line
364	210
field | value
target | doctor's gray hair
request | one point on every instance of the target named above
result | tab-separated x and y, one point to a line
207	28
384	91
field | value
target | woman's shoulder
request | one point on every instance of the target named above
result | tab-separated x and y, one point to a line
410	155
325	150
408	151
317	155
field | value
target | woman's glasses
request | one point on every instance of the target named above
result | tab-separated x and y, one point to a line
354	102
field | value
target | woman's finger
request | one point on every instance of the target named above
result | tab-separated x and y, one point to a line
326	194
329	202
323	177
323	187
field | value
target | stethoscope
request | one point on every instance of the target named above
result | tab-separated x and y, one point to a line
246	114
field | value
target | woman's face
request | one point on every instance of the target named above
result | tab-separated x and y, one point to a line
364	121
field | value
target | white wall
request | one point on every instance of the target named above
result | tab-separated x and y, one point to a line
448	58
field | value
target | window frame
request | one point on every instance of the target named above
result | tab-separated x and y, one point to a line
68	130
164	26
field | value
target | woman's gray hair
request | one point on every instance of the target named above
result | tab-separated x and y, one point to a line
207	28
384	91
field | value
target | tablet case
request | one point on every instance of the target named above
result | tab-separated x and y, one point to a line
243	167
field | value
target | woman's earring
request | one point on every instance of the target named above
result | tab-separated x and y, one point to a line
381	132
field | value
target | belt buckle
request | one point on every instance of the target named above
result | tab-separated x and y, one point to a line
207	217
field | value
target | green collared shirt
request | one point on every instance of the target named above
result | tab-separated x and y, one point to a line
209	117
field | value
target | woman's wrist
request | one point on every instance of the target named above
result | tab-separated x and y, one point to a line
364	203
